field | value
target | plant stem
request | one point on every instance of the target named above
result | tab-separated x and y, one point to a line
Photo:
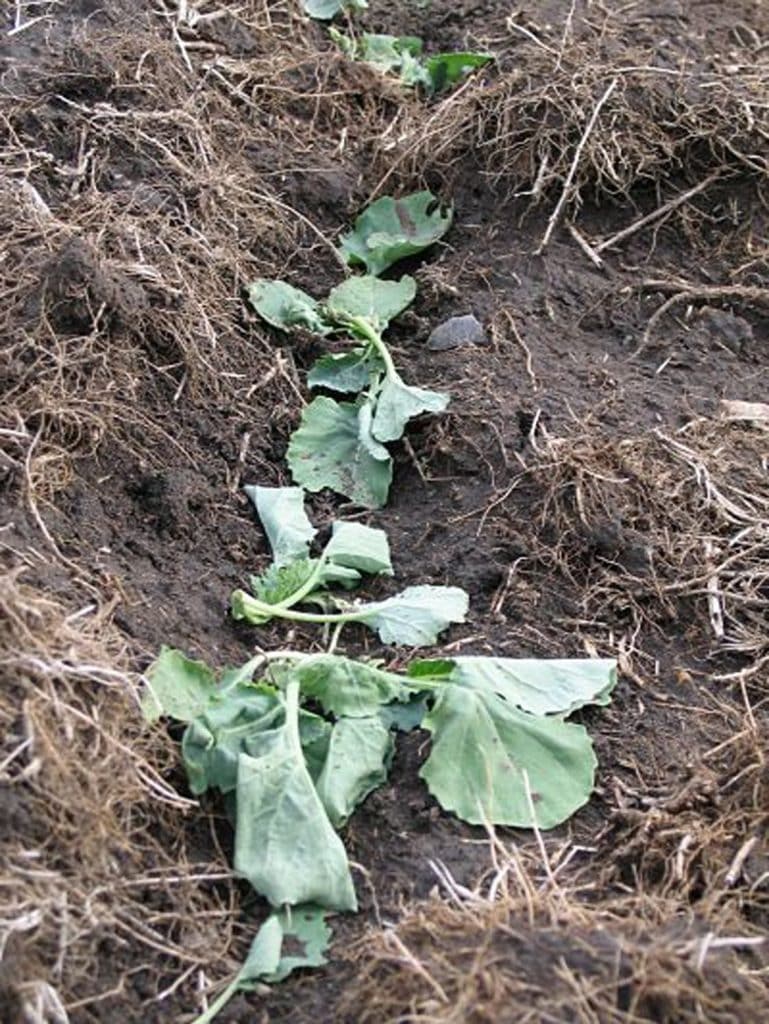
279	612
372	336
221	1000
307	587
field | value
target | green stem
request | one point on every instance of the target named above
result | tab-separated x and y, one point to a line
221	1001
307	587
372	336
279	612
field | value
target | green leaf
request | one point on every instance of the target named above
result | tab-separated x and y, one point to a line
333	447
286	307
487	756
377	301
391	229
277	585
356	546
264	955
344	687
284	843
397	403
305	925
282	514
325	10
345	371
405	716
213	742
359	754
314	735
387	52
540	686
397	54
416	616
177	687
266	961
446	69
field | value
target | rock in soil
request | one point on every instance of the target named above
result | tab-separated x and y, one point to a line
457	332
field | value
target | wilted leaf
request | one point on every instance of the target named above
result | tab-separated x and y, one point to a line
284	843
325	10
416	616
540	686
367	296
345	687
286	307
397	403
345	371
333	448
267	961
281	511
356	546
177	687
214	740
491	762
391	229
359	754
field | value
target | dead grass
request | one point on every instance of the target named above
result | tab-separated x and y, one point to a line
665	528
94	853
663	922
530	127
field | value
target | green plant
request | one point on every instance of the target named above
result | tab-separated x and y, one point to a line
402	56
414	617
341	445
296	742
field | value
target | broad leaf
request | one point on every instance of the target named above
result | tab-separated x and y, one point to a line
415	617
333	447
325	10
377	301
177	687
491	762
267	962
284	843
356	546
365	435
391	229
359	754
286	307
446	69
213	742
405	716
305	925
344	687
540	686
345	371
397	403
281	511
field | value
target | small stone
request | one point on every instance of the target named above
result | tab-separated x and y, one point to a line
457	332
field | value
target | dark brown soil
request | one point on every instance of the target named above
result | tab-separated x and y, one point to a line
154	396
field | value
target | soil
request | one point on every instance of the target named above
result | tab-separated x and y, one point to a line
155	396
